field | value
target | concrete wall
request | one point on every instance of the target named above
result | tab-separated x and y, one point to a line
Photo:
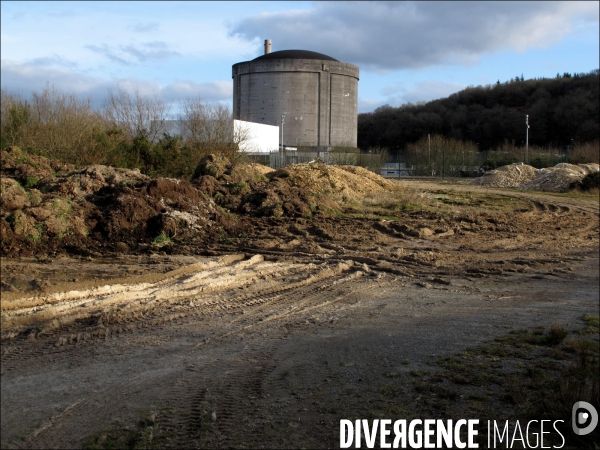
319	99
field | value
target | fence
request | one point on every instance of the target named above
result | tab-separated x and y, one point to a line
372	162
473	166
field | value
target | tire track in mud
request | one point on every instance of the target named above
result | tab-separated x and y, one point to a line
191	389
240	393
25	349
236	398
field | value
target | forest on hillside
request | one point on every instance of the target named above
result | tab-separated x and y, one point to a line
563	111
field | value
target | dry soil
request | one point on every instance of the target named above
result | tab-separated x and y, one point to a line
269	337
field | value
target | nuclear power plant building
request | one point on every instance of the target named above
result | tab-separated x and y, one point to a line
316	93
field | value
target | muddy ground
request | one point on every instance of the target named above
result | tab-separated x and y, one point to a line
268	335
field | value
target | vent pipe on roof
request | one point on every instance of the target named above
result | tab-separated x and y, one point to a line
267	46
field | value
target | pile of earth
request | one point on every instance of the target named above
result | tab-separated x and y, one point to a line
48	207
559	178
299	190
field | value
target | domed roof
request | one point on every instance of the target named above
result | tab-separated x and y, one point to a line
294	54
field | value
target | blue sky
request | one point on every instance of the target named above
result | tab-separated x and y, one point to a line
406	51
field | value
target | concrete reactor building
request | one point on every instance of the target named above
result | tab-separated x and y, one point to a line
315	94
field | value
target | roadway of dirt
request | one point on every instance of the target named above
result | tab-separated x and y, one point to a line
270	339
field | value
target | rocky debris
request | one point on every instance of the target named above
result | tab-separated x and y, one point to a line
556	179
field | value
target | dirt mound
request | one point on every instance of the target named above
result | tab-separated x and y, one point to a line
351	181
513	175
556	179
47	207
95	208
299	190
560	177
30	170
92	179
371	176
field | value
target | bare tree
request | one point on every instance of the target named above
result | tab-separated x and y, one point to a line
65	124
137	115
15	119
208	128
54	124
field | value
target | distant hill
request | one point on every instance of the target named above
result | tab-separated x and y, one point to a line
559	109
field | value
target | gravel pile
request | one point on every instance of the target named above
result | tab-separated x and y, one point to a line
555	179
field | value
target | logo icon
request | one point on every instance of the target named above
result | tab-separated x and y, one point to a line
584	418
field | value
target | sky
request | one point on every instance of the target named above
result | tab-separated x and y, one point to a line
407	52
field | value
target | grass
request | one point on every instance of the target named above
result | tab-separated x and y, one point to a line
162	239
591	324
592	194
394	204
31	182
533	374
240	188
142	436
524	375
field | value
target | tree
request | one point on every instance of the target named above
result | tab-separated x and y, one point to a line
138	116
208	128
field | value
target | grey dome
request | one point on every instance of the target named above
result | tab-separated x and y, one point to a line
295	54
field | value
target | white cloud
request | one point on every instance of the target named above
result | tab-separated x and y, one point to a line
211	91
24	79
398	35
128	54
423	91
147	27
398	94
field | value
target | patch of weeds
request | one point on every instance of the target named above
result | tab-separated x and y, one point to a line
138	438
445	393
31	181
532	374
63	207
64	233
260	179
162	239
224	237
36	234
334	212
239	188
591	325
34	198
388	389
556	334
211	169
392	374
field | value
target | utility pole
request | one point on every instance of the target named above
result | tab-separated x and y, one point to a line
443	161
526	137
429	148
282	122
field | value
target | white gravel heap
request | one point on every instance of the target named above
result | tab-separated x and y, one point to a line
512	175
556	179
